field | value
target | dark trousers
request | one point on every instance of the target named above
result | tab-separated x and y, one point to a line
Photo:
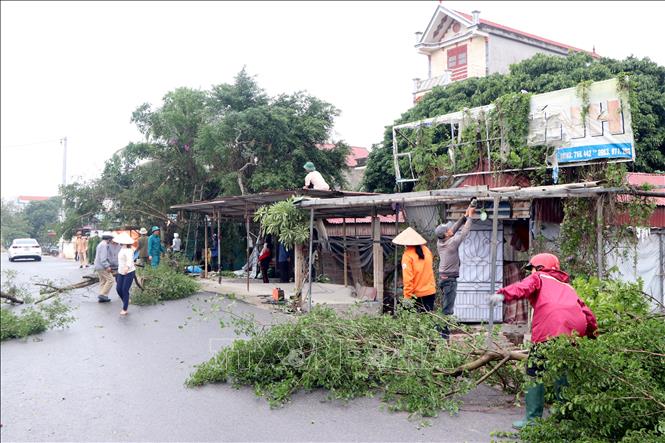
284	272
264	270
426	303
122	285
448	289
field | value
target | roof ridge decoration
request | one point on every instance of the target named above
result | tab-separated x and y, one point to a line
468	21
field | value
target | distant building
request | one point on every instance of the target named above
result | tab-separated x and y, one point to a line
23	200
356	161
459	46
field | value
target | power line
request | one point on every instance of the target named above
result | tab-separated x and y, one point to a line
32	144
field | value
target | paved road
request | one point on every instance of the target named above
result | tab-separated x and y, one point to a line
108	378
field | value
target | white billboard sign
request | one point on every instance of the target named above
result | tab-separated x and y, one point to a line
556	119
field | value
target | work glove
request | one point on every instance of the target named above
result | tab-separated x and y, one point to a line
494	299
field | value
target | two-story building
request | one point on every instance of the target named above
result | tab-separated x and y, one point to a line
459	46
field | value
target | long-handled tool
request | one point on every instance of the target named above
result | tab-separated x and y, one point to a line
493	253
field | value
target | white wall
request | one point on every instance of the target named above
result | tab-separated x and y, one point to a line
503	52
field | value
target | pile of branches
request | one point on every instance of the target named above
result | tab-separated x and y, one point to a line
402	357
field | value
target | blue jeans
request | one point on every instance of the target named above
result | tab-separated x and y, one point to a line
122	285
448	288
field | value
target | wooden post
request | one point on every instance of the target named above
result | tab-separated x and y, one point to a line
493	244
377	257
298	266
346	277
219	248
248	243
309	263
395	272
493	253
599	236
205	246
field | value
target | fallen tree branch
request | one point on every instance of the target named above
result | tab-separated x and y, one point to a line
486	358
11	298
56	291
494	369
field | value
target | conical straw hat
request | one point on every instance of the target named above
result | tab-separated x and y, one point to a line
409	237
123	239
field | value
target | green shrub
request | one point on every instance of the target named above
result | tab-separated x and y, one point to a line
163	283
19	323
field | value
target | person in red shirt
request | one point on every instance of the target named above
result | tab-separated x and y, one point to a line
417	272
557	310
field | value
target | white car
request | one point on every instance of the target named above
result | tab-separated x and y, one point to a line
25	248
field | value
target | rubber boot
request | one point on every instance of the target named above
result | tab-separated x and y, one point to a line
535	401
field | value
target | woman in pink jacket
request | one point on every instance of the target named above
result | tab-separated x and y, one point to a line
557	310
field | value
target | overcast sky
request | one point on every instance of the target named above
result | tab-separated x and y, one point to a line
79	69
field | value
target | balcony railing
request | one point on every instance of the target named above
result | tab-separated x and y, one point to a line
428	83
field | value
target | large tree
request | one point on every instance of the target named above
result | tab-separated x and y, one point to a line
228	140
14	223
540	74
42	216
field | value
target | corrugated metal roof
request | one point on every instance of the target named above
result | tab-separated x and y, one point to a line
657	219
237	206
640	178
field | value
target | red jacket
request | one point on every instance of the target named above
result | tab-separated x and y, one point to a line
557	309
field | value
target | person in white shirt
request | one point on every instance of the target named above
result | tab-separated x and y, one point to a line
314	179
175	245
126	269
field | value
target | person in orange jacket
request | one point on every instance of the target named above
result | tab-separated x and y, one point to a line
417	272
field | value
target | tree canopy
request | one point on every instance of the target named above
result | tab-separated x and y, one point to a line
33	221
538	74
228	140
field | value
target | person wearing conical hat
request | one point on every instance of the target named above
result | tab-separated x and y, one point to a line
143	247
126	269
417	273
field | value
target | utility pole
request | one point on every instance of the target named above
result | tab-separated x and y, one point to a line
63	142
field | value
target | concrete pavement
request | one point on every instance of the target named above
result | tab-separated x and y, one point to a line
108	378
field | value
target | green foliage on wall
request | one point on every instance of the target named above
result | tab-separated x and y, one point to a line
644	80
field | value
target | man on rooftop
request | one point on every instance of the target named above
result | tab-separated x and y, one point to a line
314	179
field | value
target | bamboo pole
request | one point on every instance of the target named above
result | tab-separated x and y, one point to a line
493	254
396	261
599	236
377	257
310	264
247	247
219	249
205	246
346	277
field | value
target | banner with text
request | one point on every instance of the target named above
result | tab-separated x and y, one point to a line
557	119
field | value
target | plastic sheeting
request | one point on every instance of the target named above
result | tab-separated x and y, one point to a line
644	261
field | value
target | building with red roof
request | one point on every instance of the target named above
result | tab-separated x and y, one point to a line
356	161
460	45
